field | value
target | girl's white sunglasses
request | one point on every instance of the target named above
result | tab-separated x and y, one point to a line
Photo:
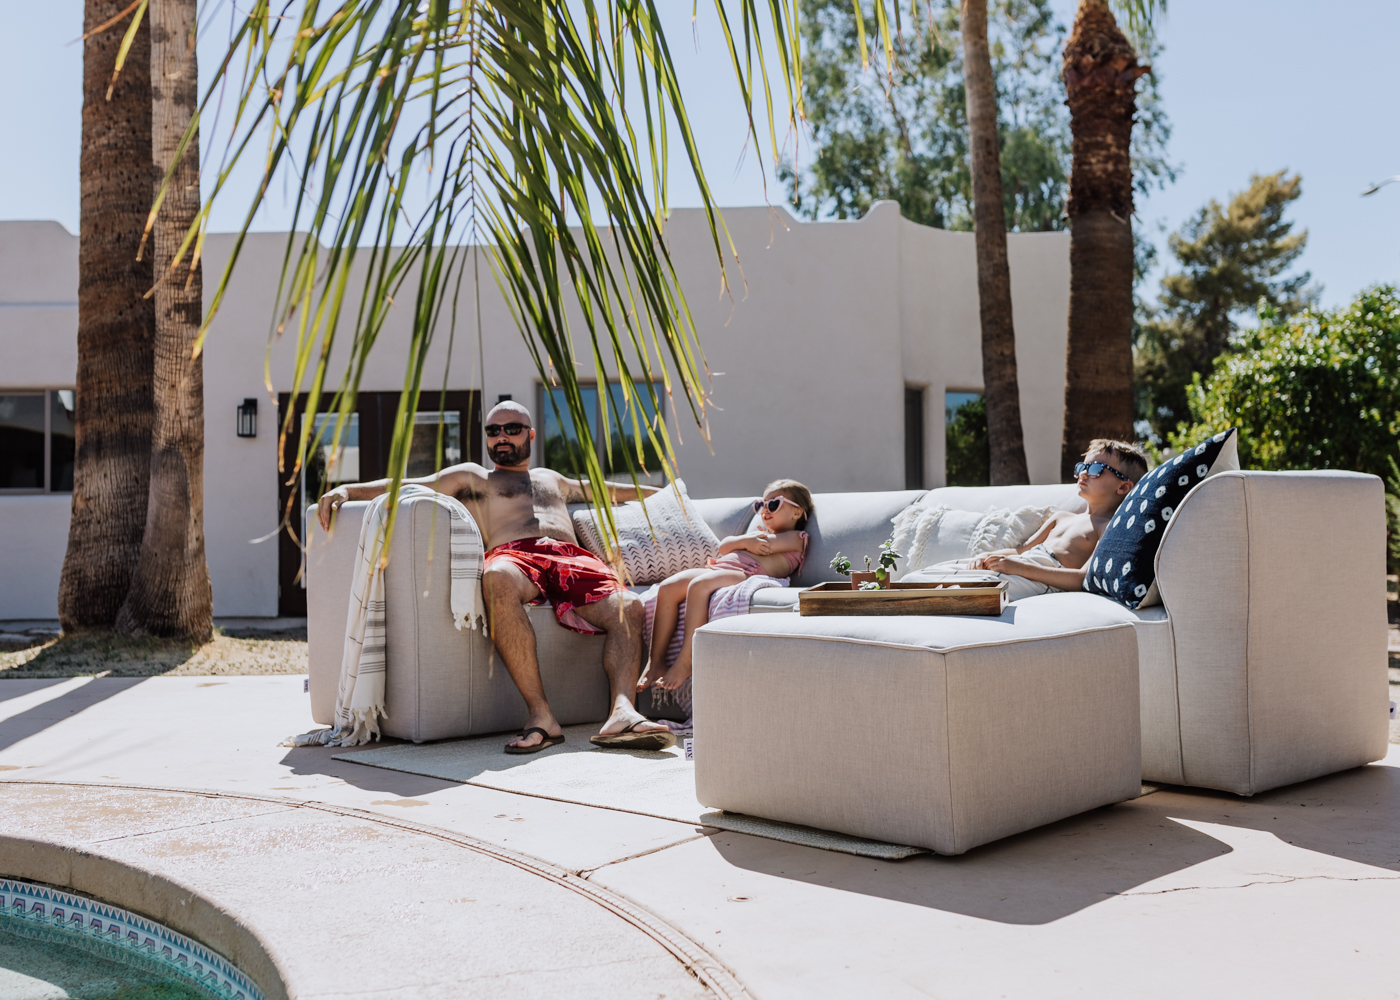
774	504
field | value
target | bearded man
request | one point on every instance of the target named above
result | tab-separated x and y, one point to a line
531	552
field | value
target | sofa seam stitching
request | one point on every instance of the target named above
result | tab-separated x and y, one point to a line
1248	628
417	646
948	753
927	649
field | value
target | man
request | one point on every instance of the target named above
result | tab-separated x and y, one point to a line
531	551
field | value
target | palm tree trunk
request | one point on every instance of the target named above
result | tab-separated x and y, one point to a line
170	592
1003	394
1101	74
115	329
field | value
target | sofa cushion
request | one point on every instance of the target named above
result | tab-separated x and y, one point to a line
669	535
1122	567
774	599
954	731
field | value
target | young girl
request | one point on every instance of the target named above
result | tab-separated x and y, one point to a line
776	549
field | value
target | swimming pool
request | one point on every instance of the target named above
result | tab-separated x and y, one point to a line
47	934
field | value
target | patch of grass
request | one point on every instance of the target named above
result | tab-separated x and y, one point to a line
88	653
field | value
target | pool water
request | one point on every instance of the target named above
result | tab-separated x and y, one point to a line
46	970
55	944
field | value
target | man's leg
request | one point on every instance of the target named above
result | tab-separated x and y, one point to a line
622	617
507	590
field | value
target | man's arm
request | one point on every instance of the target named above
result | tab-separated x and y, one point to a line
581	491
450	480
1060	579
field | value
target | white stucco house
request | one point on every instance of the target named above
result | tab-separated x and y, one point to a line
830	360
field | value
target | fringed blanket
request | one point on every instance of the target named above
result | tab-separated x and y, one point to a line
724	603
359	701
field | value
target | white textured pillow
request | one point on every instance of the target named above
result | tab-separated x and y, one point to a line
932	534
1006	529
676	538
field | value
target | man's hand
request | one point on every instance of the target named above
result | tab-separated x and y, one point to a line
327	505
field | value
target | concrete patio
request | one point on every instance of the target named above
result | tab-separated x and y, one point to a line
342	879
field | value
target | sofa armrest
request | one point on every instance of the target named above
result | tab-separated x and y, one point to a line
330	565
1274	583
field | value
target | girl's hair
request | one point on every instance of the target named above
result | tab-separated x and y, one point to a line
795	492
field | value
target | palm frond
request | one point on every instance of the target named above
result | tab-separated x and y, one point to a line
539	131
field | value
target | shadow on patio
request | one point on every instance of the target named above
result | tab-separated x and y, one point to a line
1052	872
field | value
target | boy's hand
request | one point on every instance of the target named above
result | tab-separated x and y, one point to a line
998	563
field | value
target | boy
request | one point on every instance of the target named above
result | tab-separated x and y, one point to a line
1055	557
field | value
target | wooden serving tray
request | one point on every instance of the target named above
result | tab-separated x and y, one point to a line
951	598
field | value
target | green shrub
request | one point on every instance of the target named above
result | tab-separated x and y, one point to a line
968	457
1316	391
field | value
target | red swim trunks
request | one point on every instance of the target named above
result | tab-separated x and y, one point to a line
568	575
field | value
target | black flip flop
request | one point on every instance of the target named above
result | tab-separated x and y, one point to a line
629	740
548	741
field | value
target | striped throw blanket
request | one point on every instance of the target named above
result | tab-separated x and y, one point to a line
724	603
359	701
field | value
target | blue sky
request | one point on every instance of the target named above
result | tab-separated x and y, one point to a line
1251	86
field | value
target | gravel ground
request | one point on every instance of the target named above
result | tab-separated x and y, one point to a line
229	653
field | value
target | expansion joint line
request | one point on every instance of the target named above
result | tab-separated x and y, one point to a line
690	953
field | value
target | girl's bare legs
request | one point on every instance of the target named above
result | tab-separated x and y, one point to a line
697	613
669	597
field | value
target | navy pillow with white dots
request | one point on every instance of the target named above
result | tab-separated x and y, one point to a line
1123	564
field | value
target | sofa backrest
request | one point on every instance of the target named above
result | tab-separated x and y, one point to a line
984	498
1274	585
853	524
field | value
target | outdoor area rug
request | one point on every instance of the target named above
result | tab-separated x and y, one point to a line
648	783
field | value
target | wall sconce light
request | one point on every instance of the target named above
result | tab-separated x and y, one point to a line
248	419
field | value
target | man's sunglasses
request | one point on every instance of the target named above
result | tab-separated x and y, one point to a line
1095	469
508	430
774	504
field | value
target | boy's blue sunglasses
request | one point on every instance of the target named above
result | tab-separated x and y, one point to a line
1095	469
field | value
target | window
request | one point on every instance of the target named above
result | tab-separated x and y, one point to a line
560	448
363	456
423	446
913	437
36	441
968	460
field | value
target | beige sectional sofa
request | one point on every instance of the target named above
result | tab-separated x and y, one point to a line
1264	665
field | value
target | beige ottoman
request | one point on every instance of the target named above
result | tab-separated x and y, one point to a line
942	733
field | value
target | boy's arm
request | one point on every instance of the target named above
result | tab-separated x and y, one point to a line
1043	533
1038	537
1060	579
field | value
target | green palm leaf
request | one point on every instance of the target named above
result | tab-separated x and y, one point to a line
543	127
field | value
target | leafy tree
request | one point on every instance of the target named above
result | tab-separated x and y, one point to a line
903	136
967	458
1231	257
1320	390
